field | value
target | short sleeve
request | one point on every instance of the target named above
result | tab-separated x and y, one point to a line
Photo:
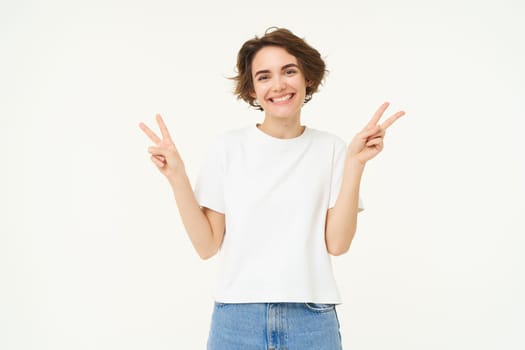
209	187
338	162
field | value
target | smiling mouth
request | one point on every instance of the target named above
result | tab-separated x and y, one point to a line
282	98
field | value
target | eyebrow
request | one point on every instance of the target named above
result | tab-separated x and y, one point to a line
283	68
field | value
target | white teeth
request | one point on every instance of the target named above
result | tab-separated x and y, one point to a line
284	98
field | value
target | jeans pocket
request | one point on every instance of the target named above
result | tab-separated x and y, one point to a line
319	307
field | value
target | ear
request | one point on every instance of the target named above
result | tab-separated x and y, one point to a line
252	94
309	83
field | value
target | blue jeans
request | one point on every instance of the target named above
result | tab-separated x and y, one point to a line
274	326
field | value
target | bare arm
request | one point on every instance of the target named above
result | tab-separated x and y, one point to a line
205	227
341	220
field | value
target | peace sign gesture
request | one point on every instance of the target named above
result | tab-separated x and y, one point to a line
369	142
165	154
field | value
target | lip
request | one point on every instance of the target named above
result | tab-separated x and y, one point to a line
271	99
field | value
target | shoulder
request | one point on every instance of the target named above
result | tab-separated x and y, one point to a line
228	137
328	138
225	141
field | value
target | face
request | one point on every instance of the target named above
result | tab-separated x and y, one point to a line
279	85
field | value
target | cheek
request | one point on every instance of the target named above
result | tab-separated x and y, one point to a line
260	90
299	83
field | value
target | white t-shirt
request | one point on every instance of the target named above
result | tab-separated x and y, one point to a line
275	194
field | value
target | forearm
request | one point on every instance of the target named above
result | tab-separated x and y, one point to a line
195	222
341	220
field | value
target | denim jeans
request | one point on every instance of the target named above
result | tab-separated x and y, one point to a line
274	326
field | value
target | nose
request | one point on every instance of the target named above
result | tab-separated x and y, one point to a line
279	84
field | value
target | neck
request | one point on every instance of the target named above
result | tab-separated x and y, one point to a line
282	128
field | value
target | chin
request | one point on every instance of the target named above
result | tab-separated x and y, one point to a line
286	114
282	112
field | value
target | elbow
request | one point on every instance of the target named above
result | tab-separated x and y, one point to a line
209	250
337	251
206	255
340	246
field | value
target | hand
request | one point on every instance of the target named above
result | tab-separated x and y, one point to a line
369	142
165	154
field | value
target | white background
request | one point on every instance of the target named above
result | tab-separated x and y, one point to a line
93	254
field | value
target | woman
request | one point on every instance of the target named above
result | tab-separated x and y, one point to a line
276	199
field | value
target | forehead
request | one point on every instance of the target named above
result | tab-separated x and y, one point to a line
272	58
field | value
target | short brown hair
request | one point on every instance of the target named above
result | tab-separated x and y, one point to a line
309	60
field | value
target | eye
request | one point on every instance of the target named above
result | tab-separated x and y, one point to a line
291	71
262	77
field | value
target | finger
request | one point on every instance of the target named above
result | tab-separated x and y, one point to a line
373	137
163	129
367	133
161	158
376	141
377	115
392	119
378	131
160	164
158	151
153	137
